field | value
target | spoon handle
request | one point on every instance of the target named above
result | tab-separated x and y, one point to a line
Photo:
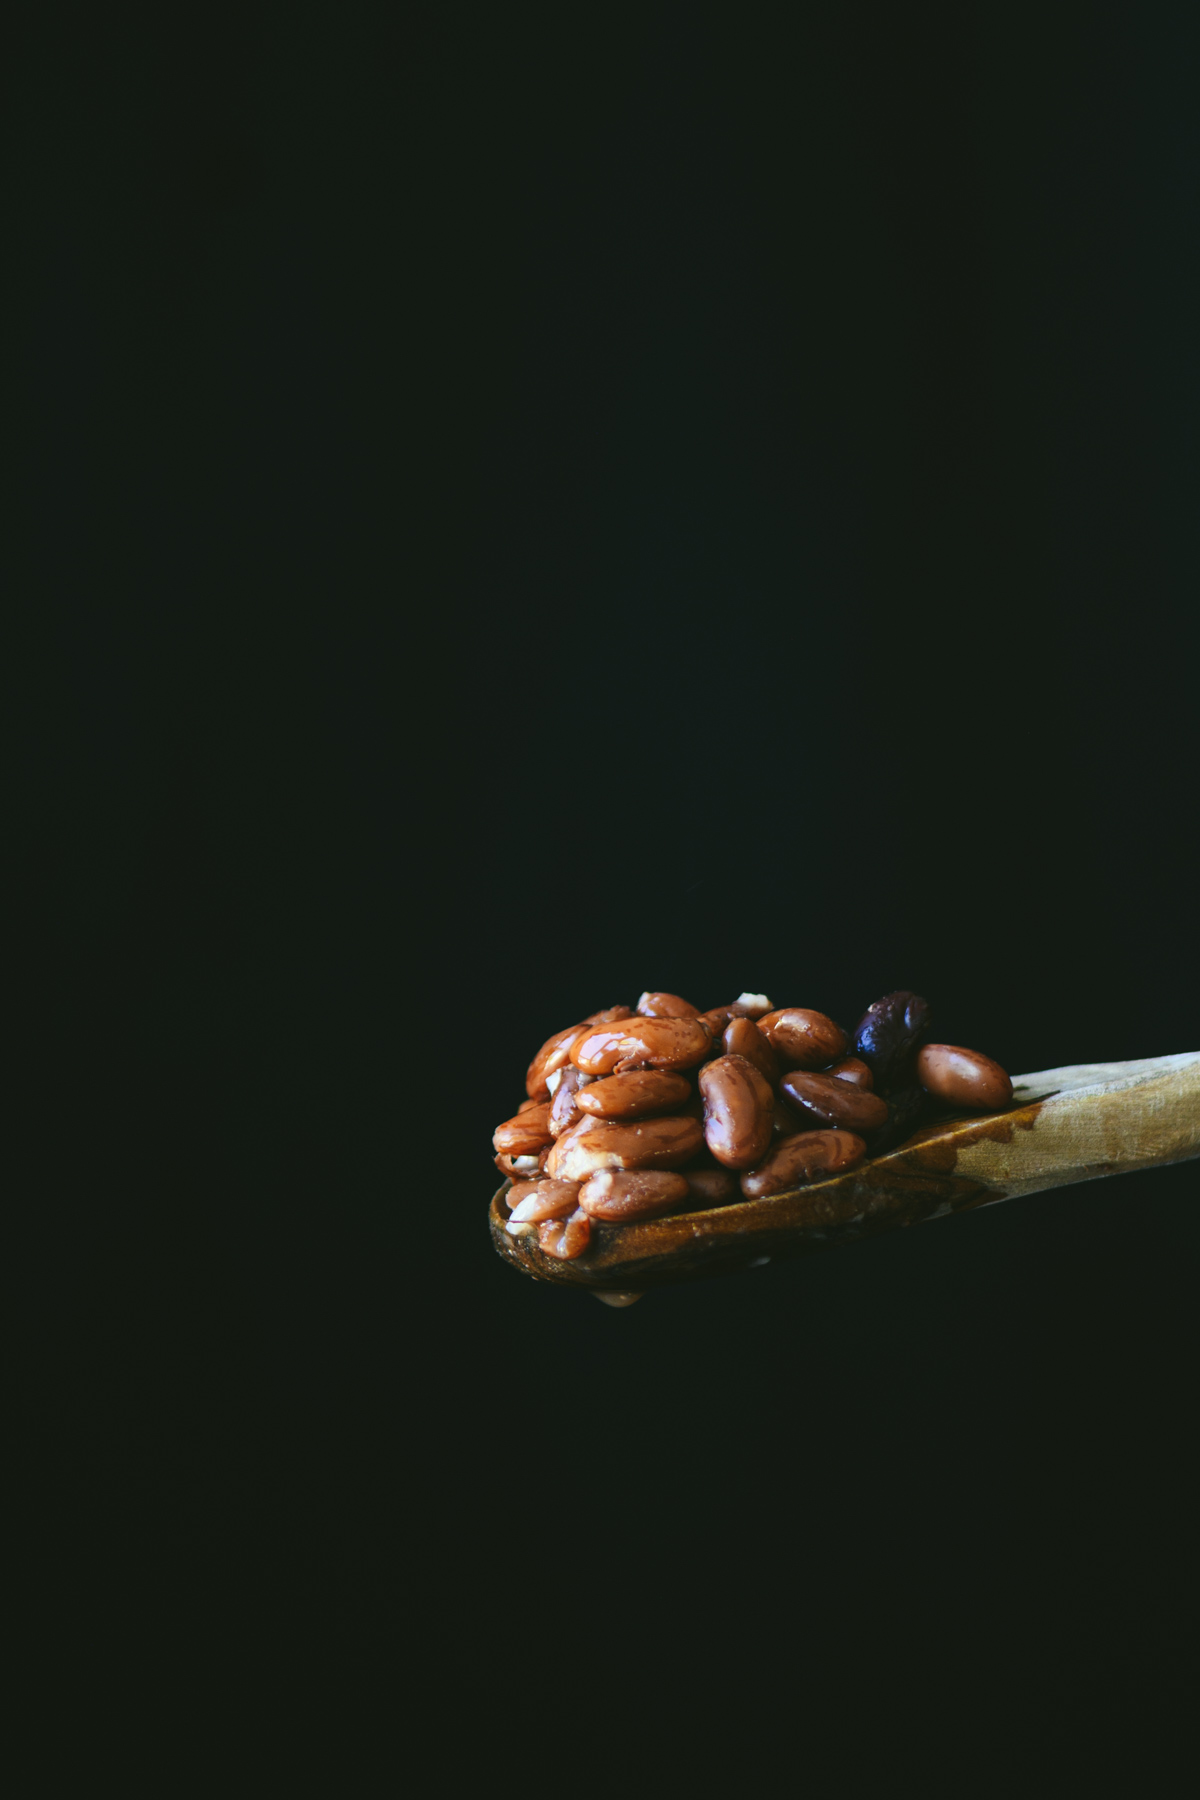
1093	1119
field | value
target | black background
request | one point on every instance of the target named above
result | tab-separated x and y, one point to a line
525	508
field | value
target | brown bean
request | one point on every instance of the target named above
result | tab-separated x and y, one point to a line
530	1202
854	1069
710	1187
738	1104
556	1050
654	1043
565	1238
564	1108
552	1055
743	1038
827	1101
619	1194
607	1144
963	1077
808	1157
526	1104
634	1095
804	1039
666	1006
525	1134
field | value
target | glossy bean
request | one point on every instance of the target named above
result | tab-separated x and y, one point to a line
620	1194
666	1006
963	1077
804	1039
566	1238
852	1068
887	1035
530	1202
526	1104
595	1144
811	1156
525	1134
641	1043
823	1100
635	1095
738	1106
743	1038
556	1050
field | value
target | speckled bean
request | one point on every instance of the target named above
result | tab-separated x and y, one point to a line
803	1038
809	1157
822	1100
620	1194
635	1095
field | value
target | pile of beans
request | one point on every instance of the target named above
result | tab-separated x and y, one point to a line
633	1114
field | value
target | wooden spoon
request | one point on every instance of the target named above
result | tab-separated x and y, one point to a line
1064	1125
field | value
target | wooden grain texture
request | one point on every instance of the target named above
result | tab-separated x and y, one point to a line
1065	1125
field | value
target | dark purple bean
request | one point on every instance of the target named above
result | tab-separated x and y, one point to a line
887	1038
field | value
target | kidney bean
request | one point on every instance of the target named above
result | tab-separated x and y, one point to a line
557	1049
666	1006
827	1101
803	1038
634	1095
565	1238
530	1202
525	1134
743	1038
710	1187
619	1194
963	1077
595	1144
852	1068
656	1043
807	1157
527	1104
738	1106
887	1035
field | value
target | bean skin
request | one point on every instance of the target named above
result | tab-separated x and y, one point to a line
887	1036
810	1156
654	1043
738	1107
827	1101
743	1038
526	1104
804	1039
666	1006
525	1134
531	1202
852	1068
963	1077
566	1238
636	1094
619	1194
595	1144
